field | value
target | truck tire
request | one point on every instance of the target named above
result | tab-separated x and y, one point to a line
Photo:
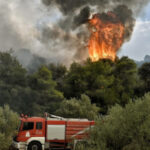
34	146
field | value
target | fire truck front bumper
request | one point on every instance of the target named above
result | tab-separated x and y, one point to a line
19	145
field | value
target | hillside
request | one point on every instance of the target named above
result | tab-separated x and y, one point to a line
146	59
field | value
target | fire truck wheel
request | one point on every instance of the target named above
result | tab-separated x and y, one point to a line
35	146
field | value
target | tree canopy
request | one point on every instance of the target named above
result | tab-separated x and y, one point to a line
144	72
78	108
8	125
124	128
104	81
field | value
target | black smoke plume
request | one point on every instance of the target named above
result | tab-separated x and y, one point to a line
76	14
82	17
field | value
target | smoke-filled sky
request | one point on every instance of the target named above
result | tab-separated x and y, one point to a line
139	45
57	30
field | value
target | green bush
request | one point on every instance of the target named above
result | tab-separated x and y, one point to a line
78	108
125	128
8	125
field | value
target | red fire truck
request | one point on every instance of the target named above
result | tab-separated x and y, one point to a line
51	132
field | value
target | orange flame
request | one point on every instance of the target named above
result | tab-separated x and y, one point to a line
106	36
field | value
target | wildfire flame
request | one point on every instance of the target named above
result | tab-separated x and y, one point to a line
107	35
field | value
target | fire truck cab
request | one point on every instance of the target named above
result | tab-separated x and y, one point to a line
37	133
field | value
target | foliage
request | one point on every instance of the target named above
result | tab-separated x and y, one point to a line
13	81
58	73
11	72
8	124
144	72
24	93
125	74
47	97
104	81
124	128
78	108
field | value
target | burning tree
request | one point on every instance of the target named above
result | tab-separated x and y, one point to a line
107	36
108	32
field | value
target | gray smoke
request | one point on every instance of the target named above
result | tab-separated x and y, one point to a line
29	60
82	17
77	12
69	6
56	30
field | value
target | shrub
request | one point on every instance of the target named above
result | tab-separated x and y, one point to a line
125	128
8	125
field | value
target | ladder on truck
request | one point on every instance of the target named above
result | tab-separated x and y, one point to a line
48	115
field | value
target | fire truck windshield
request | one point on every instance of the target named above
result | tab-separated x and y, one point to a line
28	126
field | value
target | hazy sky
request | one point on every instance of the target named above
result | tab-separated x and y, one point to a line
139	45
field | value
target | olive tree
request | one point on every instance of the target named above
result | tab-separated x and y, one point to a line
78	108
8	125
124	128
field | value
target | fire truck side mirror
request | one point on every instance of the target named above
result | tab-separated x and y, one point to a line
26	116
22	115
46	114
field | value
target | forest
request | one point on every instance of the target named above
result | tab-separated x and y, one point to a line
114	94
